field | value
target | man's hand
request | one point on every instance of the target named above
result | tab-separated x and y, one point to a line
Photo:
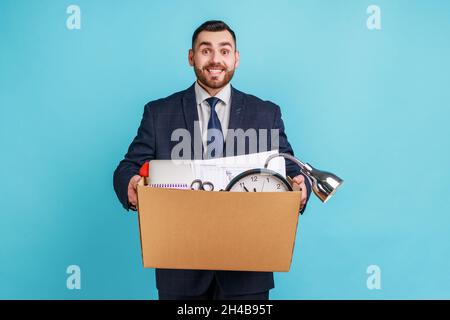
299	184
132	190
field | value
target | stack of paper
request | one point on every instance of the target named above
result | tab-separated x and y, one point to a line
221	171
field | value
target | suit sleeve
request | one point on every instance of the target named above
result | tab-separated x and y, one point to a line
141	149
292	169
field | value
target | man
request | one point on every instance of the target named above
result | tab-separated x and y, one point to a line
212	104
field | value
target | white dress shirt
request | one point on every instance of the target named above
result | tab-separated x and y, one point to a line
204	110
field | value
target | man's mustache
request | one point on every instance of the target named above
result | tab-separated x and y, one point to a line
215	66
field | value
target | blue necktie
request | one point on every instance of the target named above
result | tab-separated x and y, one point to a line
214	123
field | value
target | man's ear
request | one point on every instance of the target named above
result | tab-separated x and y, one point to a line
191	57
237	55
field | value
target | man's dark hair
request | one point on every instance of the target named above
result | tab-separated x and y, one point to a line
212	25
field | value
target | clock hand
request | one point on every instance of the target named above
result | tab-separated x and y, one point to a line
246	190
254	189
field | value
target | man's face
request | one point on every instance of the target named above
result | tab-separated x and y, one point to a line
214	58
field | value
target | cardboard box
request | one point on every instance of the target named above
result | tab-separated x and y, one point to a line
187	229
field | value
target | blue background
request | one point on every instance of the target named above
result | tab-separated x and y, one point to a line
369	105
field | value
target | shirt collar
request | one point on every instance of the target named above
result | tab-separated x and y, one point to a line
201	94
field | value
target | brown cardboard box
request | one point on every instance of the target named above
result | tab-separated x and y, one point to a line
187	229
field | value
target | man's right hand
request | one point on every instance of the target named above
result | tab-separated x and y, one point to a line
132	190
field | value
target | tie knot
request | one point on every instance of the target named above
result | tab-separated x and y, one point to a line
212	101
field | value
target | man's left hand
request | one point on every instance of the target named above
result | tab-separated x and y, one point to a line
299	182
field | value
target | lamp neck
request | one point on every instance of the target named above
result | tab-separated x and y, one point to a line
302	165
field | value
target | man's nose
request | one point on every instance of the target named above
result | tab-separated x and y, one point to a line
215	57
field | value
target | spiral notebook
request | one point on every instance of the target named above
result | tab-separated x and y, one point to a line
170	174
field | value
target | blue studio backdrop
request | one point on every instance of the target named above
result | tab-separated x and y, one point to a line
364	92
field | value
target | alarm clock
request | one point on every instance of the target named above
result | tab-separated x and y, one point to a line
258	180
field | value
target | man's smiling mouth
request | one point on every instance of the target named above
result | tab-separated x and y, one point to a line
214	71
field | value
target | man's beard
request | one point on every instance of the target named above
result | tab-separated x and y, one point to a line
213	84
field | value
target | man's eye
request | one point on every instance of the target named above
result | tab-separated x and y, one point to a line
225	52
205	51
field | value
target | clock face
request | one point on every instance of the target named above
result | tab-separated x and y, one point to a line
258	180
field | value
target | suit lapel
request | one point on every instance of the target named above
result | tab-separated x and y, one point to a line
236	115
190	117
237	109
